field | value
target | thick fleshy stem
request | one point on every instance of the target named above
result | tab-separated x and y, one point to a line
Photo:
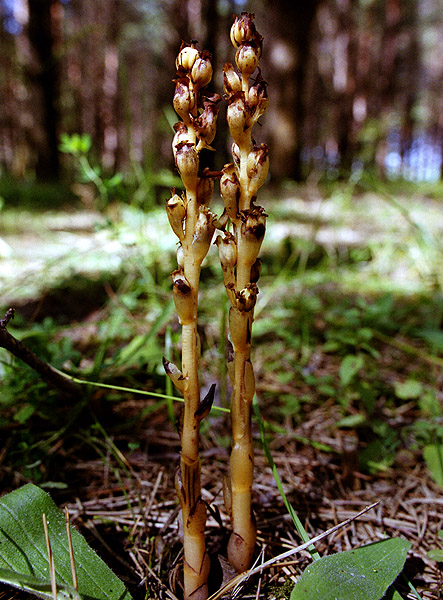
194	225
239	185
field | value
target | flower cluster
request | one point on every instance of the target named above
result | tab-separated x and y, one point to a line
189	215
241	179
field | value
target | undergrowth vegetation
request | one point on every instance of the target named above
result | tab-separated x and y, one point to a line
348	354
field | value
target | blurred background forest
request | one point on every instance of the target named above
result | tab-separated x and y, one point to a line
354	84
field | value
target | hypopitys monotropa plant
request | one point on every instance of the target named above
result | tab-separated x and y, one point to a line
238	251
194	225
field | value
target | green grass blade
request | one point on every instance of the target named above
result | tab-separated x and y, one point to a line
298	524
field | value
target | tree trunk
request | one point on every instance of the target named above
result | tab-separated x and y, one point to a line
43	29
289	25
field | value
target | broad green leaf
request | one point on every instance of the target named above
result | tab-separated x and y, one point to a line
434	337
433	455
38	587
362	574
436	554
350	366
23	550
409	389
392	594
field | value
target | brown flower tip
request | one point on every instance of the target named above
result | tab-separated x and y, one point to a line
254	223
184	100
174	373
201	72
247	59
180	283
186	58
257	167
243	31
258	100
206	125
237	117
232	82
176	211
230	190
227	249
203	233
181	135
184	299
186	160
253	227
247	297
205	189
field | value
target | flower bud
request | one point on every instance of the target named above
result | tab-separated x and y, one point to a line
243	30
201	72
206	125
186	58
227	252
247	298
232	82
257	167
247	59
183	100
186	160
253	229
181	135
205	188
258	101
236	116
203	233
184	298
235	151
175	375
176	211
230	190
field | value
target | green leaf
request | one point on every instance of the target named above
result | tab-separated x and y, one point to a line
362	574
408	390
392	594
23	414
350	366
38	587
24	558
352	421
433	455
436	554
434	337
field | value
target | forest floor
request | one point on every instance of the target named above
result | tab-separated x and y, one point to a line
348	347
